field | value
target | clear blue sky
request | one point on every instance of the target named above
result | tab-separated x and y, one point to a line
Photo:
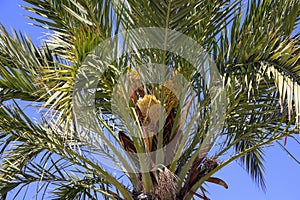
282	173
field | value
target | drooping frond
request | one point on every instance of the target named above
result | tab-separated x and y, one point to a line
21	63
33	153
259	59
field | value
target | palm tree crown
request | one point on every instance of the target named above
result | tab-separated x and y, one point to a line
100	108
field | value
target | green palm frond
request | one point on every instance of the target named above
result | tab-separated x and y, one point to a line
261	73
78	26
26	148
201	20
20	64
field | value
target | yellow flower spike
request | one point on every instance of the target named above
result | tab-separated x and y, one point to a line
170	99
146	102
179	69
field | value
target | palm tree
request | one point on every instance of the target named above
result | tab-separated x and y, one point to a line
255	47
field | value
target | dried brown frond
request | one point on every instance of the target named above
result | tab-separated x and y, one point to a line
166	187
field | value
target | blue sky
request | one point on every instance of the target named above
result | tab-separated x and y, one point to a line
282	173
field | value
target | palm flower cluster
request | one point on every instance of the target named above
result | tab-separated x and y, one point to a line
147	100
